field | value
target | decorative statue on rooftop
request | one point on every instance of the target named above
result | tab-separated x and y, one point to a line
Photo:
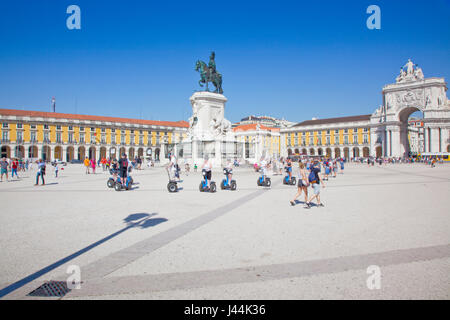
208	73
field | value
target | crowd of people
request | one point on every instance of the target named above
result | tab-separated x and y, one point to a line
105	163
312	171
371	161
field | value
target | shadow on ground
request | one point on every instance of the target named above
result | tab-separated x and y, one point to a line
135	220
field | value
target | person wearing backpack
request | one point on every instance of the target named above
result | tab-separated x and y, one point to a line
315	180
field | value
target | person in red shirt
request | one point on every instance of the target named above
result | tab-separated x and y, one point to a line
14	167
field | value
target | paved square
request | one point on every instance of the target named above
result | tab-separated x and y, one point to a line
248	244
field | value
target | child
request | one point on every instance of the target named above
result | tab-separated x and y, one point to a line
56	170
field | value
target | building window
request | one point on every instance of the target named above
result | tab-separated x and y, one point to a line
328	141
93	138
103	138
122	139
58	127
46	126
132	138
70	137
365	139
19	126
346	139
311	140
19	136
81	137
346	131
81	128
366	129
33	136
33	126
113	139
58	137
328	131
355	139
70	128
141	139
92	129
103	129
46	139
113	130
5	136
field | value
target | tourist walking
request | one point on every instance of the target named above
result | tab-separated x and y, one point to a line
4	168
56	170
315	181
302	185
93	164
40	172
86	164
14	168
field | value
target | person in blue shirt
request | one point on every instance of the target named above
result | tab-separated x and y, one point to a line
315	181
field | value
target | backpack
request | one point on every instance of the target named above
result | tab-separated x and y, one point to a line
312	177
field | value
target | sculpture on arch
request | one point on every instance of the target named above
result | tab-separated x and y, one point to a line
413	73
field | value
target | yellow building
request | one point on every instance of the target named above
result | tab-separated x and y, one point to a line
257	141
50	136
333	137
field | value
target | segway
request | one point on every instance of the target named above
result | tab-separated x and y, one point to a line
263	182
286	180
204	184
172	185
118	186
110	183
226	184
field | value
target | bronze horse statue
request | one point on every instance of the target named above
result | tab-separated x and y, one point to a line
207	76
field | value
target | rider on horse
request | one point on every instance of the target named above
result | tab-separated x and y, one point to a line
212	66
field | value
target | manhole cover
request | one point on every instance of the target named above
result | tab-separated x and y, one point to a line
51	289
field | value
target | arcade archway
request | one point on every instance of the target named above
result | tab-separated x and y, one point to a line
6	152
81	153
19	152
70	154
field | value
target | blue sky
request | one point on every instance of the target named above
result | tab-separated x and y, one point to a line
290	59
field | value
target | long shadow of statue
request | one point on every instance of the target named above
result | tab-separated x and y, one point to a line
135	220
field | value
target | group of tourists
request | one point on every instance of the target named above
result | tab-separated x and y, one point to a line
11	167
371	161
105	163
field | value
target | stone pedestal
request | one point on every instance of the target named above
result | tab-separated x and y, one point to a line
208	128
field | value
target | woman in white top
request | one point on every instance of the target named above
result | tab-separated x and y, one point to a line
302	185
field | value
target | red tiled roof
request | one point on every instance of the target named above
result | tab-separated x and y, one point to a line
252	126
28	113
365	117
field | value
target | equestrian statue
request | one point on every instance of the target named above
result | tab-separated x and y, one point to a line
208	73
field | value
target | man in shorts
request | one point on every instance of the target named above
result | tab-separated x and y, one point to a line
315	180
4	168
123	168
